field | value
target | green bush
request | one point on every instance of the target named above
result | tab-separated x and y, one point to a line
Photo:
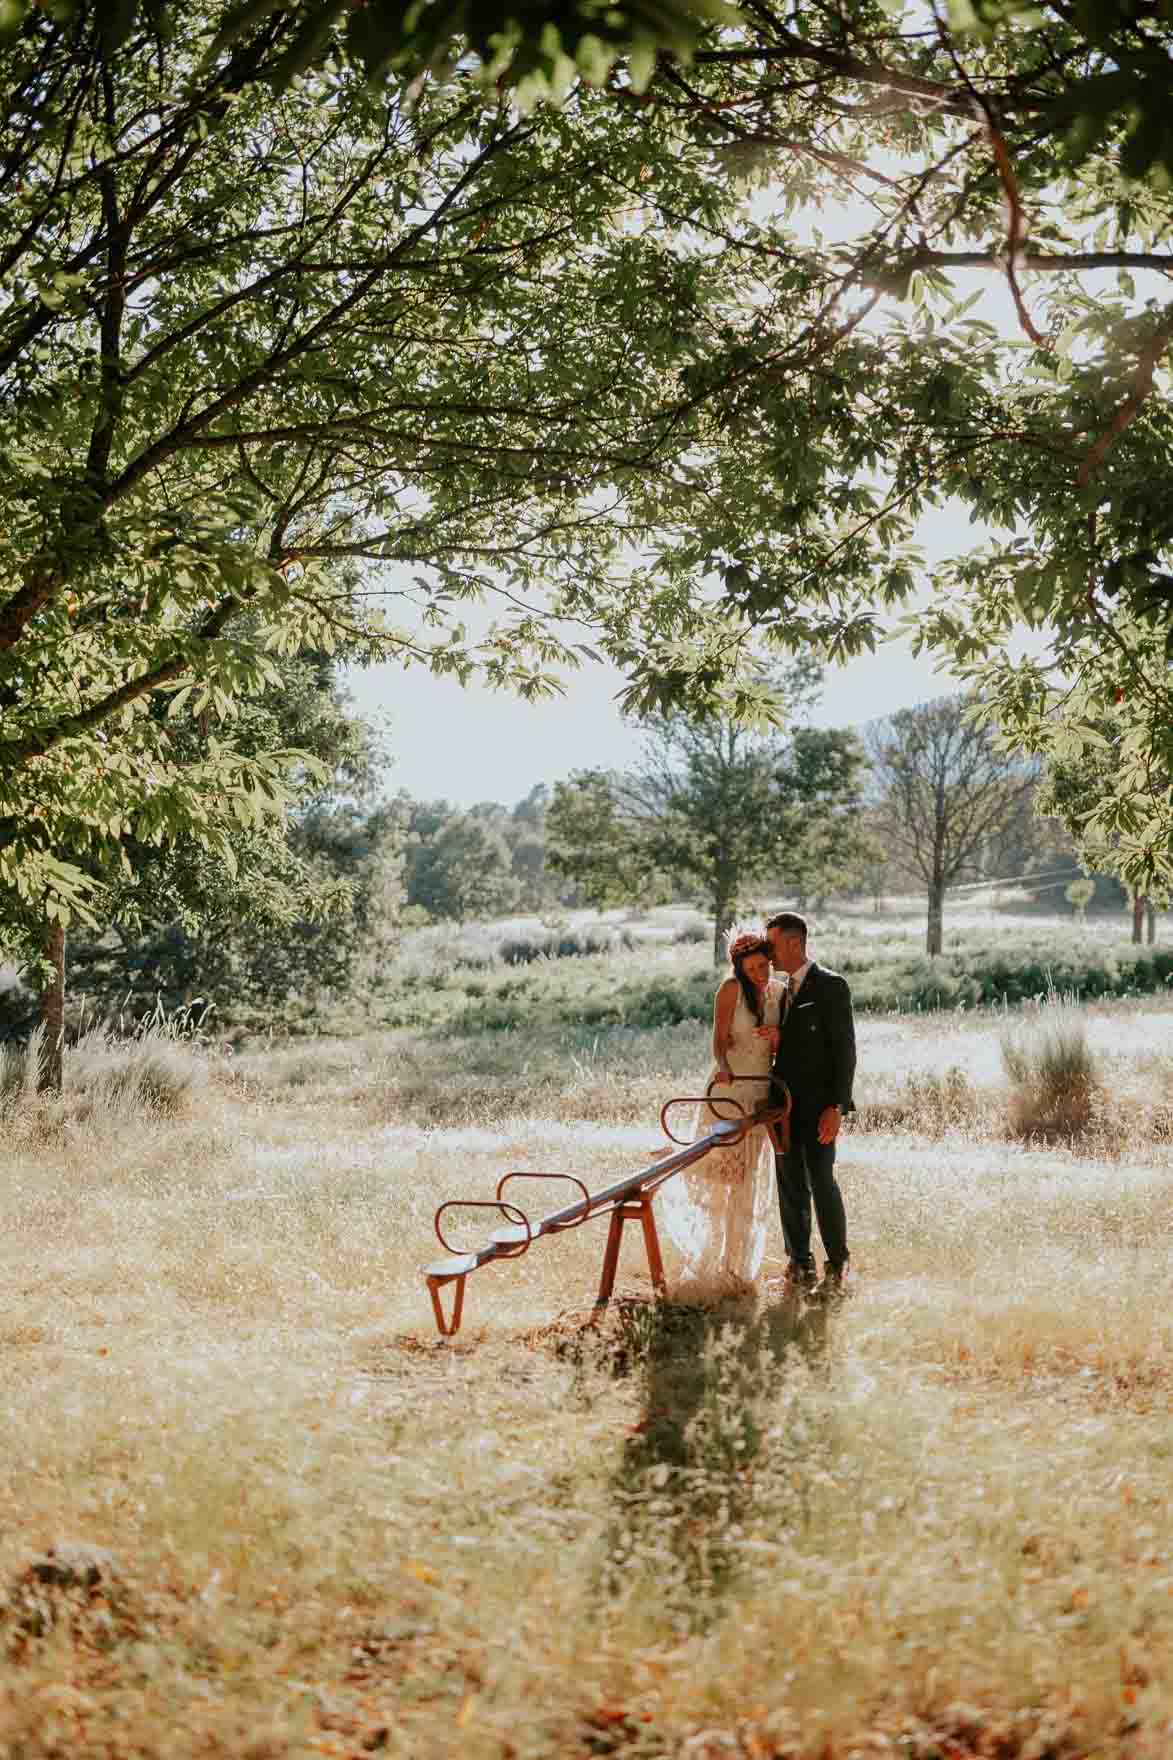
641	990
974	977
523	950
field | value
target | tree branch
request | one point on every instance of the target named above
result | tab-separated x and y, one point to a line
1142	385
113	308
127	693
1042	263
937	94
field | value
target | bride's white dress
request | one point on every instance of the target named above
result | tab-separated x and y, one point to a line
716	1212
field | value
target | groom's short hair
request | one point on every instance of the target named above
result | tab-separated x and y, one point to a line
790	923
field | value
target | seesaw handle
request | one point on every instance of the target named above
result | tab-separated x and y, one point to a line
510	1212
557	1227
697	1100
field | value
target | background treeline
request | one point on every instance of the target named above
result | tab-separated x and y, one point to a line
483	861
302	923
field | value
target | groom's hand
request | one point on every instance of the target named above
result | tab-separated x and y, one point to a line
830	1118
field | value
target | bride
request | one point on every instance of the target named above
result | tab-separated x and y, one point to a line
716	1211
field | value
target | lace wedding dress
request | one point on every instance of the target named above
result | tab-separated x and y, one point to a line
716	1212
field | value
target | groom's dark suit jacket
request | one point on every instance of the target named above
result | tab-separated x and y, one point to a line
816	1052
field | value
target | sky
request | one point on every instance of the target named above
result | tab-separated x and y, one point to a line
467	744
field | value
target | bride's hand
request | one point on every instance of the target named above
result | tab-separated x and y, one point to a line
770	1033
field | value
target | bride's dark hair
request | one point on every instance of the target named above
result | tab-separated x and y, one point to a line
739	953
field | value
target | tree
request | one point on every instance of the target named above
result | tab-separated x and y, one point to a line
944	795
1079	894
878	873
252	344
1083	790
1110	66
713	805
253	949
458	864
525	832
597	841
1034	153
483	862
310	901
294	320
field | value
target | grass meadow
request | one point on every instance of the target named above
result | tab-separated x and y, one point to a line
251	1505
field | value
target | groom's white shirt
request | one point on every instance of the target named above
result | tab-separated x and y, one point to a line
795	984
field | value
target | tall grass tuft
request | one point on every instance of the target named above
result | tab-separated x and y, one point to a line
19	1068
1054	1076
155	1071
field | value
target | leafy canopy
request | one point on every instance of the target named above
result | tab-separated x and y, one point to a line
277	367
1032	150
261	334
538	48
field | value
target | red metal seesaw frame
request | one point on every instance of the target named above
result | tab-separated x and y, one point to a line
629	1200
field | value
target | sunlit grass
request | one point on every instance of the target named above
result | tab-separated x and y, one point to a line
935	1523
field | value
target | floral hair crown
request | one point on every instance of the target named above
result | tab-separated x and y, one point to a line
752	941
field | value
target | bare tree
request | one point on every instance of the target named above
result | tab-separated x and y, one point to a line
946	797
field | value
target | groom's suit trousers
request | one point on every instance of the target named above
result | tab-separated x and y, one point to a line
816	1060
806	1176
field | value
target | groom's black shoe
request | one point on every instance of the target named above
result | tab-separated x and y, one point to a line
834	1287
800	1279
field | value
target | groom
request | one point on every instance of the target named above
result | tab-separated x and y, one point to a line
816	1060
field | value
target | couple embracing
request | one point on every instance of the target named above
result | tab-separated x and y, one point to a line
779	1021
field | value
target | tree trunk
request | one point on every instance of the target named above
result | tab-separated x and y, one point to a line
1138	906
52	1014
1150	921
722	917
933	937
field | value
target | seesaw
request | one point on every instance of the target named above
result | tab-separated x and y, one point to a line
628	1200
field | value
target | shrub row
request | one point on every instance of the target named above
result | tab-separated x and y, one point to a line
651	1002
901	985
973	980
662	989
523	950
434	953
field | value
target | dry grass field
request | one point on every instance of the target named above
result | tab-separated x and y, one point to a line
250	1505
